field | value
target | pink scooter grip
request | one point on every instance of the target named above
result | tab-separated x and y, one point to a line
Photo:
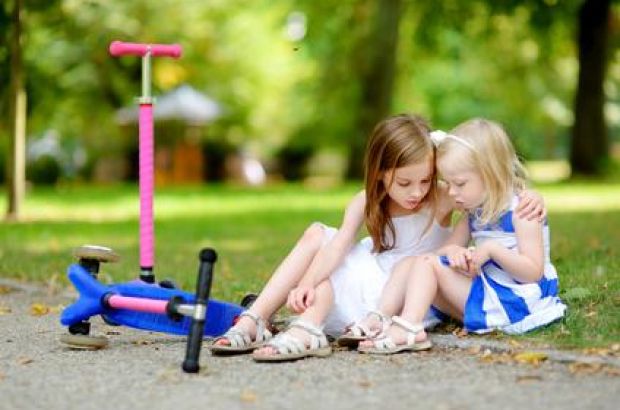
119	48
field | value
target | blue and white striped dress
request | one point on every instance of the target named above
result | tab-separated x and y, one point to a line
496	300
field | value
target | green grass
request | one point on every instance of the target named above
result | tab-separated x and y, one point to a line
253	229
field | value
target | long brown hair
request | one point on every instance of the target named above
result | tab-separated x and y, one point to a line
396	142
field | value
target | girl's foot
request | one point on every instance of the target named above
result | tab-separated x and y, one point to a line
401	336
371	326
302	339
249	333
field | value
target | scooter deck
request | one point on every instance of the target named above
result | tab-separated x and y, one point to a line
220	315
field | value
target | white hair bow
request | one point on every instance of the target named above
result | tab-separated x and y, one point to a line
439	136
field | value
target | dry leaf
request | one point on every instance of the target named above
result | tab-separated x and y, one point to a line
612	371
474	349
534	358
142	342
39	309
5	310
24	360
528	378
248	396
515	344
599	351
460	332
365	383
5	290
585	368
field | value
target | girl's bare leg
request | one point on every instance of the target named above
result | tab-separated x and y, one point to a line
430	282
393	294
315	314
286	277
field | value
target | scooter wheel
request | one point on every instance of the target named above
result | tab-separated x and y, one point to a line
95	252
83	342
248	300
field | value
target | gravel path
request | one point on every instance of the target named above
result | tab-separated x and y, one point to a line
141	370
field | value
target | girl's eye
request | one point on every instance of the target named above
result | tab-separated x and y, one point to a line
426	181
459	184
403	184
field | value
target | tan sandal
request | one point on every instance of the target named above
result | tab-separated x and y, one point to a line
359	332
240	340
291	348
385	344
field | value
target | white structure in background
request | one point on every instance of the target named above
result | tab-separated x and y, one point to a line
183	103
296	26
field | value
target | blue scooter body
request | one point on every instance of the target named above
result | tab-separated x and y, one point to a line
220	315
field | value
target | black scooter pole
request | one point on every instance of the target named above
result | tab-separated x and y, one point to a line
203	288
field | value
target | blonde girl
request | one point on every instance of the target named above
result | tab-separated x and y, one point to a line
506	280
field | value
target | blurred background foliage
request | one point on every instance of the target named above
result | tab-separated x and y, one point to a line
301	82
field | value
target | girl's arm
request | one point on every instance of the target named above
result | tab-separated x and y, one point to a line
526	265
328	258
455	247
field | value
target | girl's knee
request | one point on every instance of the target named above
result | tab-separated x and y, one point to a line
313	235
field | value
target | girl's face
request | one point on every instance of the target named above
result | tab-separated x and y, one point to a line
465	186
407	186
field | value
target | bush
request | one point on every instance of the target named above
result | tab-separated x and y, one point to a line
44	170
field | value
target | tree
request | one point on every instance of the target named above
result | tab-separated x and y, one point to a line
590	142
16	167
377	54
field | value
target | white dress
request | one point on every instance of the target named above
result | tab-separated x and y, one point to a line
359	280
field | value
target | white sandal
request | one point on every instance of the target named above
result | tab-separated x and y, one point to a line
240	340
385	344
359	332
291	348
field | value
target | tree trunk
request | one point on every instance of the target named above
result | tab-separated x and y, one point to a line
590	144
16	164
376	79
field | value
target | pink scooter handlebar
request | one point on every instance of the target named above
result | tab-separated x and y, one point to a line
119	48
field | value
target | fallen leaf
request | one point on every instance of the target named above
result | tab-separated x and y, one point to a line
615	347
39	309
474	349
5	310
612	371
5	290
489	357
24	360
460	332
534	358
584	368
528	378
248	396
142	342
599	351
514	343
365	383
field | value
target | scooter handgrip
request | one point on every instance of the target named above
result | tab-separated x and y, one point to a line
203	288
119	48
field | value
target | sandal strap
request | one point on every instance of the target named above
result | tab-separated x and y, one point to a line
412	329
236	337
385	320
262	333
285	344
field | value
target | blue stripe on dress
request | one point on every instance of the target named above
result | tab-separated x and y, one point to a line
515	307
474	316
548	287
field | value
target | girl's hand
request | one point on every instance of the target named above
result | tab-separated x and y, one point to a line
300	298
480	256
459	258
531	206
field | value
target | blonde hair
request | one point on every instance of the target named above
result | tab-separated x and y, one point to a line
486	148
395	142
